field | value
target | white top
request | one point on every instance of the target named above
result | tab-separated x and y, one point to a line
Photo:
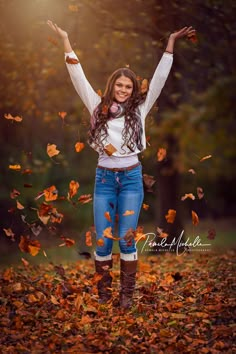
115	126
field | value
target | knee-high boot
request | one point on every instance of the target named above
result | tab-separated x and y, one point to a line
128	269
104	284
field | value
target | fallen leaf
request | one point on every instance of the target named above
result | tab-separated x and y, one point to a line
52	150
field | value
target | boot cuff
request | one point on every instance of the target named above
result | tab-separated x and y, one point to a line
102	258
129	256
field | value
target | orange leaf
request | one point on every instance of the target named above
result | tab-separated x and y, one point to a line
110	149
100	242
73	188
15	167
107	216
104	109
195	219
205	158
193	38
52	150
88	239
68	242
144	86
19	205
148	181
161	154
51	193
25	262
34	249
86	198
188	195
79	146
14	194
99	92
170	217
161	233
62	115
16	119
9	233
72	60
200	192
128	212
108	234
29	246
145	206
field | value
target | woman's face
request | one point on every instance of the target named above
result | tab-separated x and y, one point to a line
123	89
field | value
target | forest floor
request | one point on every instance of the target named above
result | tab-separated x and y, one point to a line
182	304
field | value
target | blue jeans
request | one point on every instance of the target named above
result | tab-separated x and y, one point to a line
117	192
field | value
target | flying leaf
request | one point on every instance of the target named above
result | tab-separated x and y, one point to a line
79	146
16	119
62	115
170	217
56	217
28	185
99	92
29	246
73	188
200	192
110	149
161	154
51	193
144	86
53	41
205	158
19	205
148	182
145	206
14	194
86	198
108	234
104	109
100	242
139	235
73	7
191	170
72	60
15	167
160	233
88	239
68	242
25	262
188	195
195	219
128	212
52	150
211	234
192	38
10	234
107	216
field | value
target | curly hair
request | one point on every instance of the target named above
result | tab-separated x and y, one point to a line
132	132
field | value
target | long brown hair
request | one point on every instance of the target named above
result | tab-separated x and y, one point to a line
132	132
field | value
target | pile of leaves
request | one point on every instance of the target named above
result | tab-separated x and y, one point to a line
182	304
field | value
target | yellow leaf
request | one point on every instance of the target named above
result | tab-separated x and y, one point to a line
19	205
15	167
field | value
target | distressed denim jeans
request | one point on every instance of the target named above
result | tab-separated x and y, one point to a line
117	193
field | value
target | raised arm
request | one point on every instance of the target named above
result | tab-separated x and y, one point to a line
87	94
162	71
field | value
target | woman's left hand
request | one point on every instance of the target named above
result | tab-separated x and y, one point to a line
184	32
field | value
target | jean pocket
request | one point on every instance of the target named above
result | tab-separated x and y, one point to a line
135	173
100	173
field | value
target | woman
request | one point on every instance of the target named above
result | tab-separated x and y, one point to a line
117	133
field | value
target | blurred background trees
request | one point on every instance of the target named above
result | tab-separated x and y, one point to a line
193	118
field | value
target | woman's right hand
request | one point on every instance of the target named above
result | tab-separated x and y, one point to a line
60	32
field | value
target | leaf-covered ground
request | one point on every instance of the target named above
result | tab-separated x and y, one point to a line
182	304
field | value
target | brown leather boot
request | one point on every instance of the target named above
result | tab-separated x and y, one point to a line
104	284
128	271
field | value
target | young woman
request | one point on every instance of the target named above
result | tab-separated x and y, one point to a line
117	133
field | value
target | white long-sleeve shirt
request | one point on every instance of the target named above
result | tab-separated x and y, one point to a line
115	126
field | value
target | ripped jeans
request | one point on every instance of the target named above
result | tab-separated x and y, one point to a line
116	194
